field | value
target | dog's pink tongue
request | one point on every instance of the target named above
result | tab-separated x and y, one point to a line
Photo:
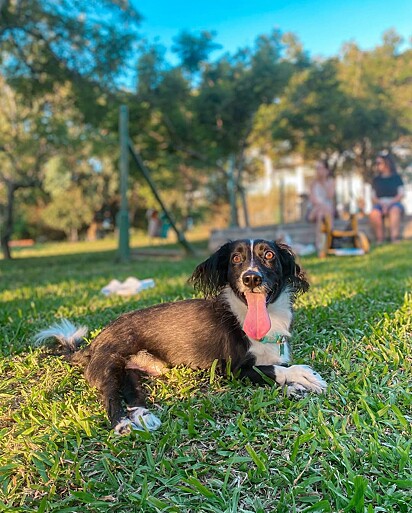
257	322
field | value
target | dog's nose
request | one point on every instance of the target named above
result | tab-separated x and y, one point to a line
252	279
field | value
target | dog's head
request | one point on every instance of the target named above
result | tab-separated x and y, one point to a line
257	271
258	266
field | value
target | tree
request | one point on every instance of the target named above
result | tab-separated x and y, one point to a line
38	133
378	83
194	50
44	42
314	113
68	212
27	138
77	187
204	111
347	109
49	52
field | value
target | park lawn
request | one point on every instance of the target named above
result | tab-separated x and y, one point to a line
224	446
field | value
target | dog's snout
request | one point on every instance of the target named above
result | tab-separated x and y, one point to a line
252	279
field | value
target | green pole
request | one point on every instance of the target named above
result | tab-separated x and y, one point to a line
123	216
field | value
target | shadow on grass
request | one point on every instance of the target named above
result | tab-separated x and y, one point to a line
37	290
54	268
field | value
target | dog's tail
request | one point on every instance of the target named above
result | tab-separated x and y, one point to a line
68	340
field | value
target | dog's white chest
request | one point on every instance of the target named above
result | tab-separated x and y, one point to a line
274	349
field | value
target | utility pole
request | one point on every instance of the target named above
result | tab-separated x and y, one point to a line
123	216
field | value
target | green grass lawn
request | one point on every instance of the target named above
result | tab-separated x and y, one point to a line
224	446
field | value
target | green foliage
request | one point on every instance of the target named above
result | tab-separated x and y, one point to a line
193	49
232	89
64	68
69	211
78	188
202	112
377	83
350	107
57	177
46	142
44	42
314	110
223	445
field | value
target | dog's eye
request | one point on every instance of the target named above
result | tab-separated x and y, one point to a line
269	255
236	259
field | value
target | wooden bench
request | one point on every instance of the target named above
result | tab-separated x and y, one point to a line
301	232
21	243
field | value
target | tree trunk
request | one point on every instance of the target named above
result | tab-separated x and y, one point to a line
73	235
7	230
242	194
245	209
232	192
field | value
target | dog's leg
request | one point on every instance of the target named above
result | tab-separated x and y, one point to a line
110	389
106	372
146	363
259	374
298	379
139	416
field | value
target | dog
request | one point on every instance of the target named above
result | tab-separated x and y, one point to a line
243	322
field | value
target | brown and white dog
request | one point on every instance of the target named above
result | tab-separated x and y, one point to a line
244	322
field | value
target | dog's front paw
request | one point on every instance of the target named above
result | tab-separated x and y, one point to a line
300	379
143	420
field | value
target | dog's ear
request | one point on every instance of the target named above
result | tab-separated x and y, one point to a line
210	277
293	273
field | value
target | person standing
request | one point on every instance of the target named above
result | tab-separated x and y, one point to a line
387	194
154	224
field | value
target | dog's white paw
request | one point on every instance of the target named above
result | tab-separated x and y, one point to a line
142	419
123	427
296	391
139	419
300	379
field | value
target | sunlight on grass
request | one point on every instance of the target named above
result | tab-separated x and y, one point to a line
224	446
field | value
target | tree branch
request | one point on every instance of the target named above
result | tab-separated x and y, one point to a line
200	157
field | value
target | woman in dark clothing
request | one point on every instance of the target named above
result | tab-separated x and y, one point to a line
387	193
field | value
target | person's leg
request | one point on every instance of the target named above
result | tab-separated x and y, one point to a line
394	215
376	220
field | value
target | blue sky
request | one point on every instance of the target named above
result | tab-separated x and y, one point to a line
321	25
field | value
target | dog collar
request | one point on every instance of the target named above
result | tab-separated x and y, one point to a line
279	340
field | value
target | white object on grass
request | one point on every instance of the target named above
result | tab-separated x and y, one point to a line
129	287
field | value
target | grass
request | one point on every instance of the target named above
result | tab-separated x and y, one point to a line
224	446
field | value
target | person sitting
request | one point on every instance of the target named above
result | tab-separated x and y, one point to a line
321	202
387	194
